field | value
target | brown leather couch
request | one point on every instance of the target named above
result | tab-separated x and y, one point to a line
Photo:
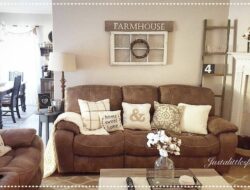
23	165
80	153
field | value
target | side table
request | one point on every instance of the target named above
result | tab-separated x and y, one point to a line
45	117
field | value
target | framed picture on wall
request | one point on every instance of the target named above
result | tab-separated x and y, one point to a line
44	100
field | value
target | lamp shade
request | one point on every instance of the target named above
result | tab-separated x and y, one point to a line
62	62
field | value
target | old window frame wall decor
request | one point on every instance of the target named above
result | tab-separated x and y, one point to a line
136	43
132	60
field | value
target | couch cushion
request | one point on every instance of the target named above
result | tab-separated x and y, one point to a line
18	137
140	94
175	94
99	145
192	145
5	160
136	143
25	162
92	93
198	145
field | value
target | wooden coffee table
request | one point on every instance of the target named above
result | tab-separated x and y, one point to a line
117	178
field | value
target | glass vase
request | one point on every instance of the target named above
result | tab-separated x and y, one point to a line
164	167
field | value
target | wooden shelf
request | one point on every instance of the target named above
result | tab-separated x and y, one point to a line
218	96
47	86
47	78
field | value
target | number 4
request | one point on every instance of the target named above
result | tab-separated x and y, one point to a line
208	68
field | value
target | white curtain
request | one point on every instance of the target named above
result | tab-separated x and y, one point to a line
19	51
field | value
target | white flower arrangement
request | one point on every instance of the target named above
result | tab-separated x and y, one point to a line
164	143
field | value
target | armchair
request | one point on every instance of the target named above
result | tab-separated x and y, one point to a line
23	165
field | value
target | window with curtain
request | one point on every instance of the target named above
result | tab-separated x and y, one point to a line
19	51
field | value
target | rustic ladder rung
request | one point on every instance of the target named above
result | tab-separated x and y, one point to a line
218	27
215	53
214	75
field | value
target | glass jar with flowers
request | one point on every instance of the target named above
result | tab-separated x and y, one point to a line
166	145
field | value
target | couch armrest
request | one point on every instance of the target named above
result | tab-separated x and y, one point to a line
217	125
228	144
18	137
68	126
64	142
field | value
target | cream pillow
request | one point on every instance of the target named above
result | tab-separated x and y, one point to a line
111	120
90	112
136	116
194	118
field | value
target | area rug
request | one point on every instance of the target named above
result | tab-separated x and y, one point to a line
236	176
76	182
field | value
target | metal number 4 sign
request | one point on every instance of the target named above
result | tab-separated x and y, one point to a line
208	68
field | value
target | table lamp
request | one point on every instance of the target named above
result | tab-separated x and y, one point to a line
64	62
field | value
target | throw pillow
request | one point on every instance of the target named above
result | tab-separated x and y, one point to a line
111	120
3	149
194	118
136	116
167	116
90	112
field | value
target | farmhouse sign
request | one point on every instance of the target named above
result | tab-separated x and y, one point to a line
132	26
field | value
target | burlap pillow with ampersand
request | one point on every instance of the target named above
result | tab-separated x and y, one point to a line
136	116
167	117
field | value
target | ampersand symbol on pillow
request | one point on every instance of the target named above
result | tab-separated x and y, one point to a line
137	116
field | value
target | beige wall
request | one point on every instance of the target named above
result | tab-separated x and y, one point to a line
80	30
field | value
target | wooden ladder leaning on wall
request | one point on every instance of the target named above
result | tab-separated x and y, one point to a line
210	69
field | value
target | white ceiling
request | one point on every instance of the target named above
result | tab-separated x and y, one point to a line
25	6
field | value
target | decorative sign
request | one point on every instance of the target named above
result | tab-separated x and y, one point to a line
208	68
138	26
44	100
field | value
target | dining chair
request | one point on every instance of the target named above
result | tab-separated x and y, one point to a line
11	102
21	96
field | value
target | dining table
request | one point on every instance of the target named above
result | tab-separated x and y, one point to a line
5	88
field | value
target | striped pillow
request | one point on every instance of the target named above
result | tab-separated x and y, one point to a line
90	112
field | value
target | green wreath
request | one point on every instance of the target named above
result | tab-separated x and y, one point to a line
139	41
